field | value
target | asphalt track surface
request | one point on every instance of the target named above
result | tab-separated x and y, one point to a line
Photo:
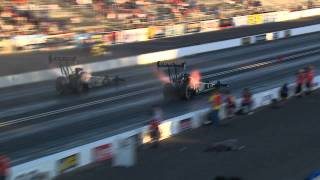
280	144
36	122
27	62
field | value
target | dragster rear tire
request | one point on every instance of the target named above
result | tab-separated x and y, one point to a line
61	85
186	92
79	86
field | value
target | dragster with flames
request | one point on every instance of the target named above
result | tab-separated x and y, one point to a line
180	84
76	80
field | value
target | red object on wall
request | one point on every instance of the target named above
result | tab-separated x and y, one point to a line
103	152
4	165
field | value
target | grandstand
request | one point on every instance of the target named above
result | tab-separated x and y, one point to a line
60	17
57	16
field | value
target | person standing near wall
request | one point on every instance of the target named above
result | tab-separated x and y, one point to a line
309	79
4	167
300	82
154	126
247	102
230	105
284	92
216	101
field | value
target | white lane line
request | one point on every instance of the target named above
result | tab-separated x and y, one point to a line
79	106
32	107
260	64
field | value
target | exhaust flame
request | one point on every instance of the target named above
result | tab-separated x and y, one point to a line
195	79
85	76
163	77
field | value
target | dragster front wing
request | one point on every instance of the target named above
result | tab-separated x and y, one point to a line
204	87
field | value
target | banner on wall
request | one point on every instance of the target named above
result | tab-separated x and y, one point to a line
102	153
156	32
255	19
169	31
211	25
269	17
132	35
193	27
174	30
251	20
179	29
226	23
33	175
240	21
246	41
68	163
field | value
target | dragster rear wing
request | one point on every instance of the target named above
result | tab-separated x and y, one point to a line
66	60
170	65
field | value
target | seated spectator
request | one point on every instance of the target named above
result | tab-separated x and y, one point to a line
284	92
299	83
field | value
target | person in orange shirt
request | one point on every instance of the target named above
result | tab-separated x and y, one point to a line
216	101
4	167
309	79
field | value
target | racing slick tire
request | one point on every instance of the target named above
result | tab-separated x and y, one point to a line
185	92
77	85
61	85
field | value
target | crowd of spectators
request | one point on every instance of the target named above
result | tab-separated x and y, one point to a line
56	16
26	19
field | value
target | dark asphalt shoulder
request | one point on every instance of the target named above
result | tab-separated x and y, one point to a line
278	144
27	62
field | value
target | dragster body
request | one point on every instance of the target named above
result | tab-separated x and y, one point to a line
184	85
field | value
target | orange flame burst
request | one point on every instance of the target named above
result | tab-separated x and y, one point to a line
195	79
163	77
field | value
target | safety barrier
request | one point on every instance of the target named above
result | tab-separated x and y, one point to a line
55	164
44	75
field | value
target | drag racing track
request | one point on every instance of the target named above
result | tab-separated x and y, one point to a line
35	121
